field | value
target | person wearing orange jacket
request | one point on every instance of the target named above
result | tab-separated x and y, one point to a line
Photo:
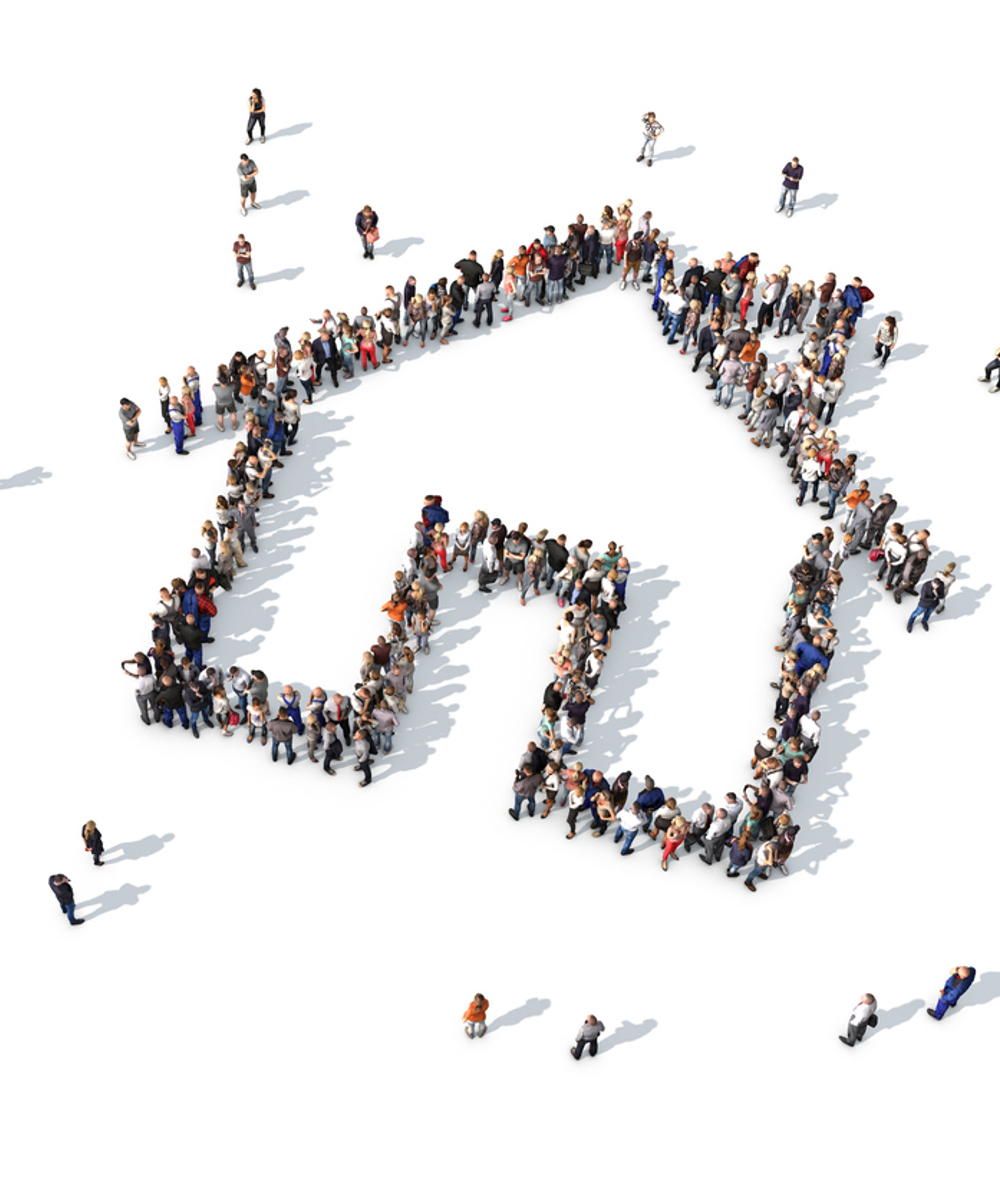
475	1016
853	499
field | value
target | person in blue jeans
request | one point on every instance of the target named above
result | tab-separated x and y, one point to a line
791	176
957	984
63	892
170	698
175	415
630	822
674	320
729	376
525	786
199	701
765	861
931	595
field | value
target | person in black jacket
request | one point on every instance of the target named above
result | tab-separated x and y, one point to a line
63	892
556	557
707	339
92	841
170	698
366	219
880	519
472	273
191	638
199	700
457	292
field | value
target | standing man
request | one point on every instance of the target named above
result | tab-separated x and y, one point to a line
63	892
175	415
129	414
247	171
957	985
241	252
791	175
363	753
281	729
630	822
587	1035
652	129
365	222
485	293
471	275
863	1017
931	595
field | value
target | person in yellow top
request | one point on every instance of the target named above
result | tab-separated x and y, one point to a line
475	1016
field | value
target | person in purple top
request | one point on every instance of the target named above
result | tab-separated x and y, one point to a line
792	174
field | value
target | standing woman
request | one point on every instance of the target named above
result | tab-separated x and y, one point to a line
475	1016
460	546
416	319
746	299
92	842
257	107
785	841
508	290
885	339
790	313
479	531
368	346
496	271
673	838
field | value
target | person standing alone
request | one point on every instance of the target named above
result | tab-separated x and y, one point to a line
791	176
587	1035
92	842
475	1016
958	983
241	252
129	415
63	892
863	1017
257	107
247	171
652	129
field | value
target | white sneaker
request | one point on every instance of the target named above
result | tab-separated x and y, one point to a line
249	140
130	454
995	387
779	208
622	285
635	284
983	379
789	213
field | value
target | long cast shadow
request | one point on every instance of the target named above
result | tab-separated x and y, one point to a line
140	849
107	902
290	131
985	989
284	198
275	276
530	1008
27	478
891	1018
627	1032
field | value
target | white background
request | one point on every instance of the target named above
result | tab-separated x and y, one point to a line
280	1008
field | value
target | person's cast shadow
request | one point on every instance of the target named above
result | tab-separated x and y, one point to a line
25	478
627	1032
107	902
143	848
530	1008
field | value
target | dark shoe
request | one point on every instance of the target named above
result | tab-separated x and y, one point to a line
145	719
705	860
183	451
932	1013
747	883
330	770
628	851
926	626
293	758
486	589
513	814
80	920
194	730
253	287
845	1041
909	628
209	639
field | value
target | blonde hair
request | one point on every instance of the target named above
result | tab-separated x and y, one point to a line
89	828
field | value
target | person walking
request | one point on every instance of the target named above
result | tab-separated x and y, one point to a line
63	892
862	1018
129	414
765	861
956	985
247	171
257	115
885	339
791	177
587	1035
366	224
92	842
241	252
475	1016
652	129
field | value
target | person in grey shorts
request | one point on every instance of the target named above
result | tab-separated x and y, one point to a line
247	171
129	414
225	397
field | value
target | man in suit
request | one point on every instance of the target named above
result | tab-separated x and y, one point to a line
881	517
863	1017
958	983
63	892
326	356
715	837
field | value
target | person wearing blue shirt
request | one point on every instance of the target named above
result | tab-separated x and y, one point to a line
809	655
958	983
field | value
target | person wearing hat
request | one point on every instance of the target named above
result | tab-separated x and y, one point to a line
128	414
247	171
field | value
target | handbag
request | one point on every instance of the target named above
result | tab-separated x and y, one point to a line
372	235
873	1020
874	554
587	268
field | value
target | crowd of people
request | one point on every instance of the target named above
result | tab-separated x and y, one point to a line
705	308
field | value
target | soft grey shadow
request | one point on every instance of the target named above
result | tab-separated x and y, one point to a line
287	273
910	350
677	152
25	478
128	893
820	200
985	988
398	246
627	1032
284	198
141	849
889	1018
530	1008
291	130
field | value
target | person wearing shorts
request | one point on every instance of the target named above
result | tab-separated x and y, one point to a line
129	414
225	398
516	550
247	171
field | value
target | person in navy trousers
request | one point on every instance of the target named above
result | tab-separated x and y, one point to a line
958	983
63	892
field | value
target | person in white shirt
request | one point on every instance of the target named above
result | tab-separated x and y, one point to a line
769	297
715	836
652	129
762	867
629	824
809	731
863	1017
946	578
240	680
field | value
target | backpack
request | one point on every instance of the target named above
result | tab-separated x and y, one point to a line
866	293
